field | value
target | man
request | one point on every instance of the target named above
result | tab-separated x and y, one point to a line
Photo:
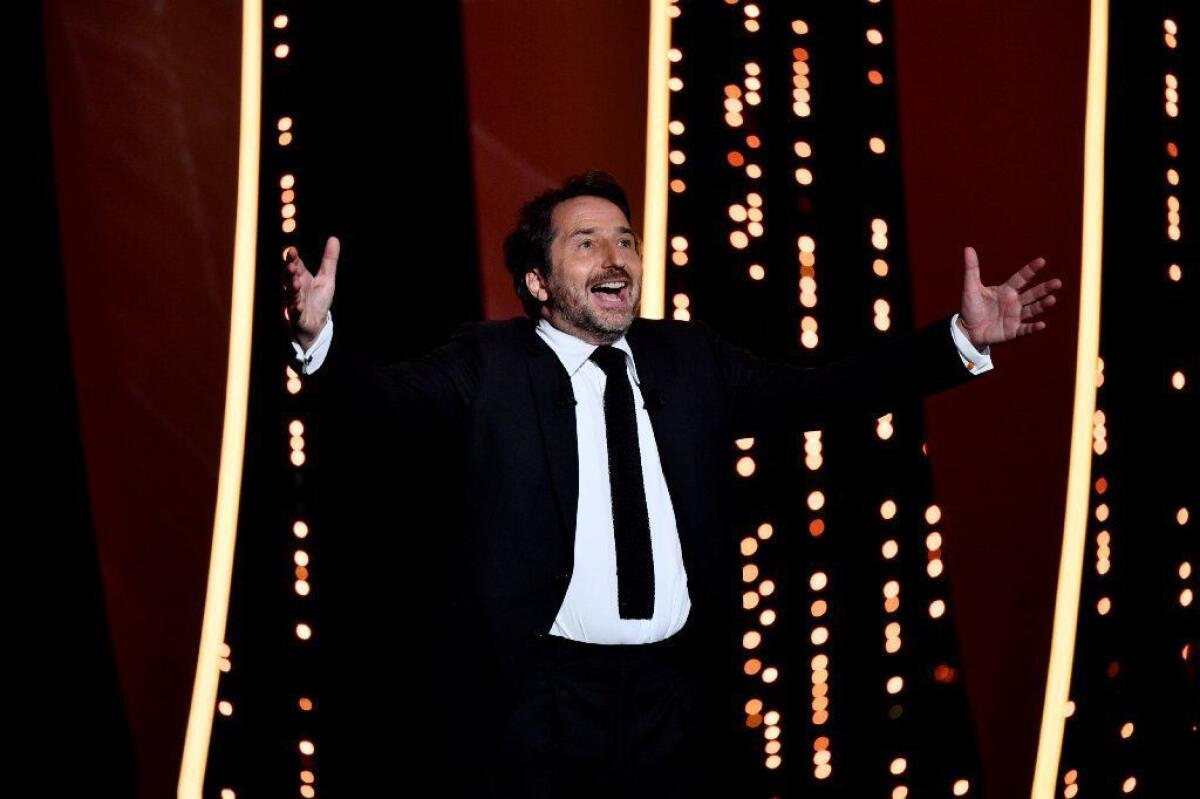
595	444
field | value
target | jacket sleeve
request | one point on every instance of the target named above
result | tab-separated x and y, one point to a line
764	394
433	391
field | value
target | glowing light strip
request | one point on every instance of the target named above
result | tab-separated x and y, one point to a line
1070	569
654	219
233	438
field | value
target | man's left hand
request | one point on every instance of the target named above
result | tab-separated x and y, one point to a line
1001	313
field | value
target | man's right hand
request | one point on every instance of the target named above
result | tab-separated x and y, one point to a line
309	296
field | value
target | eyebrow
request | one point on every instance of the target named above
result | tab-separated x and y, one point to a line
589	231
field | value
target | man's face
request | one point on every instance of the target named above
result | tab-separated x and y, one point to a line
595	285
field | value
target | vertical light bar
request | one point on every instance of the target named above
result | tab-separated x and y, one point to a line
233	437
654	216
1070	569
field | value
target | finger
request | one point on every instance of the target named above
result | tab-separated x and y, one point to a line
1030	327
1040	290
329	260
1025	274
1034	308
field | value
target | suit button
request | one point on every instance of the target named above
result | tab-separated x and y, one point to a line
562	578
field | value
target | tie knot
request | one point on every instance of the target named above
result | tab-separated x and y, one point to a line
610	359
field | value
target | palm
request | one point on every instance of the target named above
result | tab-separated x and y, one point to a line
1005	311
309	296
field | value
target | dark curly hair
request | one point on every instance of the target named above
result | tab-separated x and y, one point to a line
527	247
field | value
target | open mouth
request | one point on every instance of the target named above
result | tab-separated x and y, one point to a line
611	293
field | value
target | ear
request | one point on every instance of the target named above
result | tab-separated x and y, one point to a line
536	285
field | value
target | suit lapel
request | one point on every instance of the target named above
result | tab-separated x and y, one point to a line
555	405
670	409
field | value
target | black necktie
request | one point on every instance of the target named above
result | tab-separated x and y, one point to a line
631	523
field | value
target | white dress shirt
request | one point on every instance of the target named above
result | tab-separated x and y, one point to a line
589	609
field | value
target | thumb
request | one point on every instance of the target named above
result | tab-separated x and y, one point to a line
971	268
329	260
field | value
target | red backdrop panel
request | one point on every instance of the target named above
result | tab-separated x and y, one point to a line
144	109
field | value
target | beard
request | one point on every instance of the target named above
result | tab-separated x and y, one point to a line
574	304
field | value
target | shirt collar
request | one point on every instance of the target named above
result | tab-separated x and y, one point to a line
574	352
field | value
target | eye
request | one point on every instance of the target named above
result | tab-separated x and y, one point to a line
626	242
586	244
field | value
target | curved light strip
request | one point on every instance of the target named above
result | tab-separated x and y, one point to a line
658	109
1070	569
233	439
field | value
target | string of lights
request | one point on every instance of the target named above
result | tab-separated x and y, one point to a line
774	166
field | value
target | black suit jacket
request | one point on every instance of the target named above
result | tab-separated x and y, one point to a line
498	396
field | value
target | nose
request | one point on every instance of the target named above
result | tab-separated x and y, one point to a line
614	254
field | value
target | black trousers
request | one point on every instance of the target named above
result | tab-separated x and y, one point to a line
598	720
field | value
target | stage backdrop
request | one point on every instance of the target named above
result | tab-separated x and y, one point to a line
144	113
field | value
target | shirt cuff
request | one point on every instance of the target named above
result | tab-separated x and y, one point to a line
976	361
312	358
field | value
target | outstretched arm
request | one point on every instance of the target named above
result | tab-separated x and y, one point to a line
766	394
436	388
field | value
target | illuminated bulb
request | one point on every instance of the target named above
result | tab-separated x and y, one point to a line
961	787
745	466
307	747
818	581
888	509
225	707
816	500
282	50
898	766
303	631
890	549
